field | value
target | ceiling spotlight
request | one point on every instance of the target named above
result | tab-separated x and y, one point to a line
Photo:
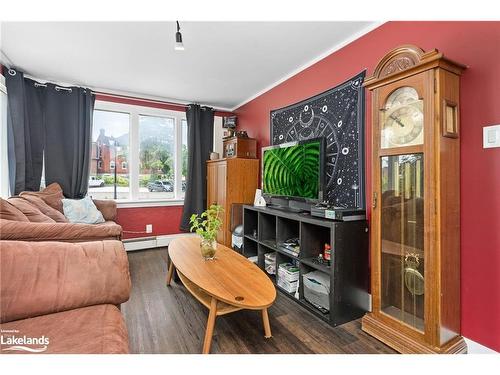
178	39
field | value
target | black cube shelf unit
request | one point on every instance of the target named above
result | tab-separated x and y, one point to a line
264	228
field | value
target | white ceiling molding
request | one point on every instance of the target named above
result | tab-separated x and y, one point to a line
318	58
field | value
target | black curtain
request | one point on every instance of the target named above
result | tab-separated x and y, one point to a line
200	134
50	120
68	116
25	132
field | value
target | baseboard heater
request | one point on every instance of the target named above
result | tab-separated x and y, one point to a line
142	243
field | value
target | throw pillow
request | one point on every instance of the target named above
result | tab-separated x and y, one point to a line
45	208
52	195
9	212
82	211
31	212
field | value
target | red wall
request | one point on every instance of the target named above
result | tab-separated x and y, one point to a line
476	44
165	220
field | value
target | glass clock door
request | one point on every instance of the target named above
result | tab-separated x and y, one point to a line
402	238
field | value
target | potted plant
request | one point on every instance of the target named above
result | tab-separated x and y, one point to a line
206	226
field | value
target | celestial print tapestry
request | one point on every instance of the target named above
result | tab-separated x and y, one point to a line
338	116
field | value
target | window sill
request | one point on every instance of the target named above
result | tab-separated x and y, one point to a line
128	203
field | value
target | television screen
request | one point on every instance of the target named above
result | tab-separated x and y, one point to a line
293	170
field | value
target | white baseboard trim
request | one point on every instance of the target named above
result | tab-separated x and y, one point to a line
143	243
476	348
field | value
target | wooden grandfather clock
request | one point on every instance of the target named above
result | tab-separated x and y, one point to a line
415	221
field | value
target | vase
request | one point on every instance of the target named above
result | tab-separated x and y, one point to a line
208	248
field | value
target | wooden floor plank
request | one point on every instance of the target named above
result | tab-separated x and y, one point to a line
163	319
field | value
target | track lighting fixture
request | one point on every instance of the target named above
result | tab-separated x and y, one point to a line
179	46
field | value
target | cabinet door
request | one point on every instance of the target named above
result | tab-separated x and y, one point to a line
211	183
221	184
221	200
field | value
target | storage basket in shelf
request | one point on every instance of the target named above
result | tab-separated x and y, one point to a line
317	289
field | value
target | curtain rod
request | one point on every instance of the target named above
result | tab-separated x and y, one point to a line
156	101
38	84
95	92
141	99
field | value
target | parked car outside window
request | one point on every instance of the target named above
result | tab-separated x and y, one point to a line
95	181
160	185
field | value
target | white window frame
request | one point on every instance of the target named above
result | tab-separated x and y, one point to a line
4	161
134	112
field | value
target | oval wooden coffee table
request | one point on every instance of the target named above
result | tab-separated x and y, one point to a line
226	284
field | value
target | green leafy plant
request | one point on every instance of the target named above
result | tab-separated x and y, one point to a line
208	223
293	170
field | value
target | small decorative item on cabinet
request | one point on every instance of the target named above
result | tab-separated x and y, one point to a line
228	133
240	147
241	134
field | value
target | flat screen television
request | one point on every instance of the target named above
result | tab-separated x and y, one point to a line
294	170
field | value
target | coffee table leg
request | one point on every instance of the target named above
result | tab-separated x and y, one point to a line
267	326
210	326
170	272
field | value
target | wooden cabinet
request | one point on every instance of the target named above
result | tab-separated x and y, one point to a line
415	221
231	181
240	147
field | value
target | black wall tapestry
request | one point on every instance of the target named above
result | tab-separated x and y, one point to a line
338	116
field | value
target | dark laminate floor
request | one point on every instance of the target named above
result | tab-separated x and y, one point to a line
163	319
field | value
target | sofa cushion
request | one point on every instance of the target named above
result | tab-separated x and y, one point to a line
96	329
52	195
10	212
82	211
45	208
40	278
68	232
107	208
31	212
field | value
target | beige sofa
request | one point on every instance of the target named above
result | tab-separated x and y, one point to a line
65	294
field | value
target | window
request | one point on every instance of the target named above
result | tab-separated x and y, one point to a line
148	148
156	157
110	146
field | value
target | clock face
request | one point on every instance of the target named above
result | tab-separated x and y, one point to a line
403	119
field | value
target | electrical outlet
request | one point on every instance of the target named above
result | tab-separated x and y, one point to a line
149	228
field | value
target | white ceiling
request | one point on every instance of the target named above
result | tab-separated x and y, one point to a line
224	64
